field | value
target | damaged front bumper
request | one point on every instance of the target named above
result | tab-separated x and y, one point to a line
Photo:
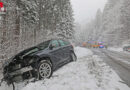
17	76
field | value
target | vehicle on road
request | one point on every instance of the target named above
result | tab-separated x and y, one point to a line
39	61
126	48
101	46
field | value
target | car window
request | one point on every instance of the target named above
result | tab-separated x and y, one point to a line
55	43
66	43
61	43
43	45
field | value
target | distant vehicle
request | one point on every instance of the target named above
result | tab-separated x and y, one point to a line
101	46
126	48
95	46
39	61
84	44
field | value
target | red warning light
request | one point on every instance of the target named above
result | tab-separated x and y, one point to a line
2	9
1	4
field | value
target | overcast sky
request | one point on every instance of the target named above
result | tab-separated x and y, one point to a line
85	10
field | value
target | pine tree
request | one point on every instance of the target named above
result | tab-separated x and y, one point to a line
125	19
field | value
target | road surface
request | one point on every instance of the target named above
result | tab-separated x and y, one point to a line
119	61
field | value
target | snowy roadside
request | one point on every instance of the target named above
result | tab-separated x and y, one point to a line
117	49
120	51
88	73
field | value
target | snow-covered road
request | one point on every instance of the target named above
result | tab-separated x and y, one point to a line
89	72
119	61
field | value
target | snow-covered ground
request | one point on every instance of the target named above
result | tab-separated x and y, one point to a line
118	49
88	73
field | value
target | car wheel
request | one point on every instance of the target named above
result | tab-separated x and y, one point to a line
44	69
73	57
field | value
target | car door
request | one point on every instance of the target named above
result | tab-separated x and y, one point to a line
56	52
65	50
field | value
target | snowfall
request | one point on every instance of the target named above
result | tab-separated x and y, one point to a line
89	72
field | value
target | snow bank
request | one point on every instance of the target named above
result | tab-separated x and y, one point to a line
82	52
118	49
106	77
88	73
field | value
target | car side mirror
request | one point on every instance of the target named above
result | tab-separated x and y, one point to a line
52	46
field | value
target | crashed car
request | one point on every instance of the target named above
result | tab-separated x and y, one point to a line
39	61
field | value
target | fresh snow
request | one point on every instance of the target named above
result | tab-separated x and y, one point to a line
89	72
82	52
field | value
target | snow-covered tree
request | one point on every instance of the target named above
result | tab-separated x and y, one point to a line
29	22
107	26
125	19
112	26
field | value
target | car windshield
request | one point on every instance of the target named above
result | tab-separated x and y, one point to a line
29	51
43	45
32	50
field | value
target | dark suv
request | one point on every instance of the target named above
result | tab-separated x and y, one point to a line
39	61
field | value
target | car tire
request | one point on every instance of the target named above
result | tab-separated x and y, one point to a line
73	57
44	69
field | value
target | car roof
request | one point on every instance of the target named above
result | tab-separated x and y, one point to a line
52	40
58	39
